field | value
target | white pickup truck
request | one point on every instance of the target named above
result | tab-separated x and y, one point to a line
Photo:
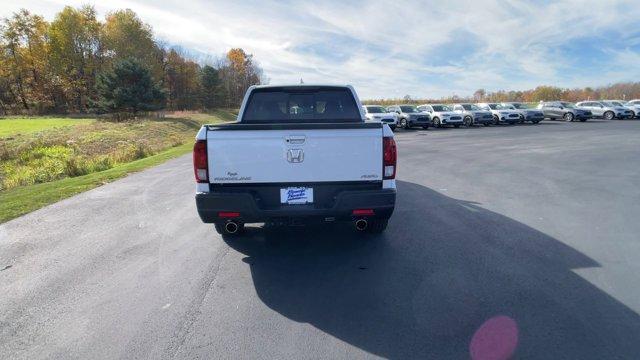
296	154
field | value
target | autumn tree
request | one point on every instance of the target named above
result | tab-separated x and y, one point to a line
125	36
75	53
182	82
7	99
54	67
238	74
24	46
546	93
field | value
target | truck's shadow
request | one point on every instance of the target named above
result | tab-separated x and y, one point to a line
442	269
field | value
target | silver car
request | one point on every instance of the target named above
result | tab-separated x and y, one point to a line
409	116
635	109
472	114
606	110
564	110
635	105
533	116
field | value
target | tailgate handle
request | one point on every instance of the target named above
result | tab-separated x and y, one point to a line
296	139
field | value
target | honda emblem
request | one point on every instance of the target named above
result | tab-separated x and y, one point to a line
295	155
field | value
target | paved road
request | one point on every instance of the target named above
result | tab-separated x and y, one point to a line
529	229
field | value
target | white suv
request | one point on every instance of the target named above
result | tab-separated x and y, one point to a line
442	115
379	113
501	114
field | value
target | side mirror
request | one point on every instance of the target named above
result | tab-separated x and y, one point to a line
561	107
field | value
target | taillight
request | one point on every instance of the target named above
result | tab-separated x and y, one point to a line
200	167
389	158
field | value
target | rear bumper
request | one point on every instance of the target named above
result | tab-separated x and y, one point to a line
483	120
421	122
505	120
381	201
534	118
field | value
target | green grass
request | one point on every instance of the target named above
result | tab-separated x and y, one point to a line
43	167
21	200
59	153
18	126
213	116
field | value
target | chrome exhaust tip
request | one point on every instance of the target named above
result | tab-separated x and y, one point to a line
231	227
361	224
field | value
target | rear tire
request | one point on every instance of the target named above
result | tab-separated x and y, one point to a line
609	115
568	116
436	122
496	120
403	123
468	121
377	226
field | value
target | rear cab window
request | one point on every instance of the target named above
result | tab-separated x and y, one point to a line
301	104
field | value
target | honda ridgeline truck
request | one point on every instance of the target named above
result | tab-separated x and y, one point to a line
296	154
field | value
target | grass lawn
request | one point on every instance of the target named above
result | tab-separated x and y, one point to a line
215	116
17	126
21	200
43	167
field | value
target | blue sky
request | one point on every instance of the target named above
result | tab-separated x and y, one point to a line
393	48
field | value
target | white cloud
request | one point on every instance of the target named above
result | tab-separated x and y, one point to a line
393	48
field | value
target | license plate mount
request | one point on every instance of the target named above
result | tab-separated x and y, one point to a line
296	195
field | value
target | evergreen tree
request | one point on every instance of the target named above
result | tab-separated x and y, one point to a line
211	87
128	87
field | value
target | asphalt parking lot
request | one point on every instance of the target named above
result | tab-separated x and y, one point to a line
533	225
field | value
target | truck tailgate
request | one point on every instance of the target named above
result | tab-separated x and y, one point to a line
294	155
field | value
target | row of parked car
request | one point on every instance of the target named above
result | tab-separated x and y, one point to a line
468	114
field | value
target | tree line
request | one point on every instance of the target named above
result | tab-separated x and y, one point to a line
79	64
619	91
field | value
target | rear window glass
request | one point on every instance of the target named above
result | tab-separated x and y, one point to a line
301	105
